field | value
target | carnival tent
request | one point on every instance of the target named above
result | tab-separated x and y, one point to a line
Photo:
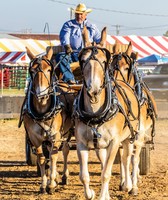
144	45
13	57
13	50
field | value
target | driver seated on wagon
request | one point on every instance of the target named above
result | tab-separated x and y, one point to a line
71	41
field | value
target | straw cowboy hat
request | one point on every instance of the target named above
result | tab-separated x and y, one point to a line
81	8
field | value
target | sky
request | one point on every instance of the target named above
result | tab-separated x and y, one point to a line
124	17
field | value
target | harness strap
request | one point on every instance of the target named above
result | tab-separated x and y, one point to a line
126	100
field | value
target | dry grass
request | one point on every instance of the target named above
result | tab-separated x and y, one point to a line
12	92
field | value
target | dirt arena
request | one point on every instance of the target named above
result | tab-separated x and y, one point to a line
20	182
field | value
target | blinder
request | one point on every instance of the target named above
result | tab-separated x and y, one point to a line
94	50
115	64
38	68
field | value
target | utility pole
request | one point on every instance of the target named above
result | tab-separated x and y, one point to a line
117	28
71	12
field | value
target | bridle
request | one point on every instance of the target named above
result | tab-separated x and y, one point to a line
111	107
33	73
83	63
116	68
55	105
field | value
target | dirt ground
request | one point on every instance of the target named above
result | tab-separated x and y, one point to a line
20	182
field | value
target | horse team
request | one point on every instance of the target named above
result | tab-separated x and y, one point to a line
112	108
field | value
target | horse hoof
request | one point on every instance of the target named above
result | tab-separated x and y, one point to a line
120	188
92	195
134	192
65	180
50	190
43	190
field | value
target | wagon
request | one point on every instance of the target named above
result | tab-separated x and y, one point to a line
31	158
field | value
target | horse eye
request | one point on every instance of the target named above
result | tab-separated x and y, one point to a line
83	61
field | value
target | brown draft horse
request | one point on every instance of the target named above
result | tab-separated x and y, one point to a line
101	115
123	68
45	118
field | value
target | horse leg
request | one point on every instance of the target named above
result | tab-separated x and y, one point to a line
107	169
53	170
101	154
82	152
41	163
65	175
135	162
122	170
126	182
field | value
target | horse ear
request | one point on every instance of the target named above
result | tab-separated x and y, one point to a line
50	53
86	41
103	37
116	47
134	55
129	49
30	54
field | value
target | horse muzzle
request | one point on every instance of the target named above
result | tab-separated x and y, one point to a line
93	96
42	98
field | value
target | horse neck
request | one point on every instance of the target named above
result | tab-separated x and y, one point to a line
132	81
40	107
97	107
128	78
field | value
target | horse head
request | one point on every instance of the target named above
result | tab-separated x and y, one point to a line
94	60
41	73
122	62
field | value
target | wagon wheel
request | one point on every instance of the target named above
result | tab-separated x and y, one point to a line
31	158
144	163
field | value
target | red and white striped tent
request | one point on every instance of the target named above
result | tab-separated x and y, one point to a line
12	57
144	45
14	50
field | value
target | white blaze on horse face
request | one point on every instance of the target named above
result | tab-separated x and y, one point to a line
97	76
94	76
42	84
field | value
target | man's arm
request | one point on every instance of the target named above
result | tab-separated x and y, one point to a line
65	35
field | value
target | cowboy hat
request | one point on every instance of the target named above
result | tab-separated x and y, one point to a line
81	8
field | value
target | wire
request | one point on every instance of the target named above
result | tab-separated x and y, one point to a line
115	11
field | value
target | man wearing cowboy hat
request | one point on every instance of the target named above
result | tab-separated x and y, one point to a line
71	40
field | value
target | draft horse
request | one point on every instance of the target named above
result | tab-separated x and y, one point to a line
102	114
43	116
123	68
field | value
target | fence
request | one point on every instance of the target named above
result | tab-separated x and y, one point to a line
13	77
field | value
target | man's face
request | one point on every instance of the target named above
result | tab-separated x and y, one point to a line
80	17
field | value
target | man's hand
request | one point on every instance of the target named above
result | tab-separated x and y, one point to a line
68	49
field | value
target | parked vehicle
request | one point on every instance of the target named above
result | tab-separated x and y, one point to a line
157	81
